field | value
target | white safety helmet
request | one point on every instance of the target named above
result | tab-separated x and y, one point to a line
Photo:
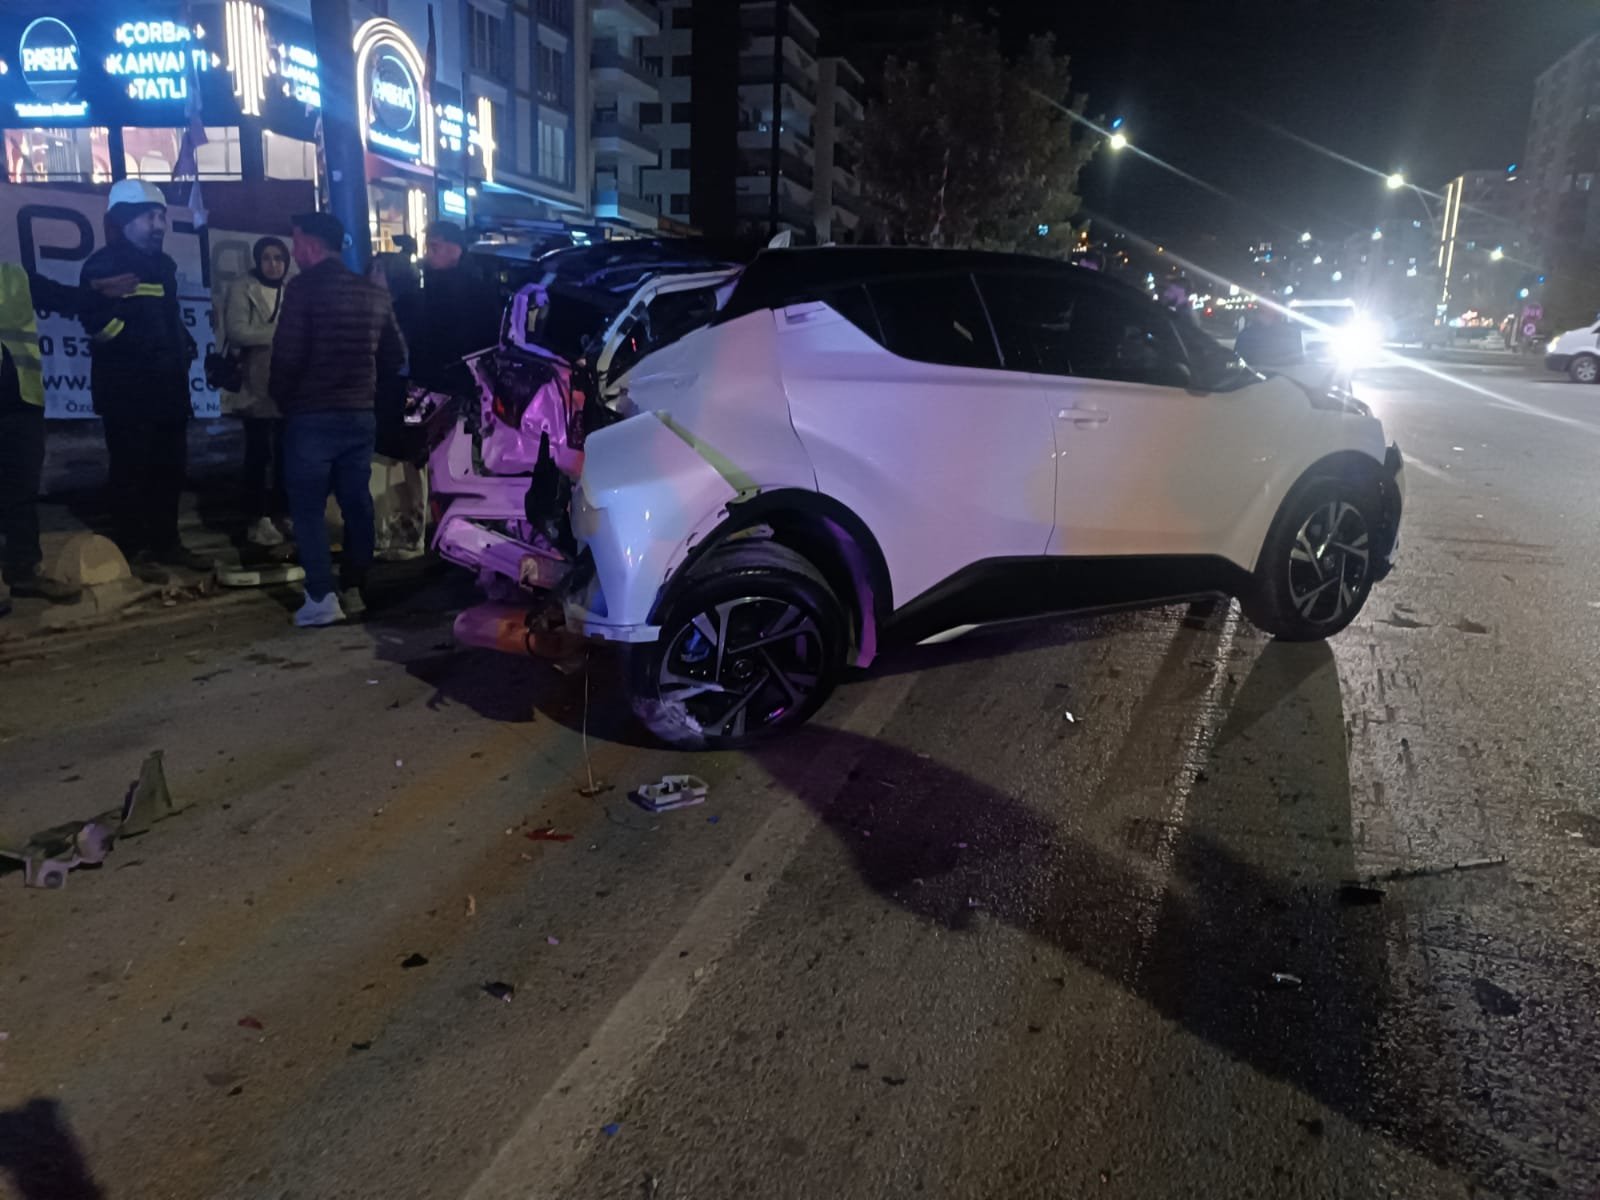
134	191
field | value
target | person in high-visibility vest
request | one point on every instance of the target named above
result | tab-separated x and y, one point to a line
139	378
22	444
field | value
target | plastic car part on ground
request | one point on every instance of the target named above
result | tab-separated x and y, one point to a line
674	791
47	857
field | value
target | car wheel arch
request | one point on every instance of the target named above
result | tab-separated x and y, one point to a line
825	532
1353	466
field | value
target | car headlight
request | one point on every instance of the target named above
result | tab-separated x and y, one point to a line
1357	342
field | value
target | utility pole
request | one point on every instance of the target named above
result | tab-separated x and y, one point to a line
780	29
341	126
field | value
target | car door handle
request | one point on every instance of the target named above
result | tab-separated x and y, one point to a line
1083	416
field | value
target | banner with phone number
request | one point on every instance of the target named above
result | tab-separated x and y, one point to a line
52	232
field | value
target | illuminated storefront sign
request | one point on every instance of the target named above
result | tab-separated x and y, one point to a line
157	58
297	67
399	116
474	131
264	63
453	203
47	53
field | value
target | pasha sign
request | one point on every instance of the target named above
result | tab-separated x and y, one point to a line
48	54
399	115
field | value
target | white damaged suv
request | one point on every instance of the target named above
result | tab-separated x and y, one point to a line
875	445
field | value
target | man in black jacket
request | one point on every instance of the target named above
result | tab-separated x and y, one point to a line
139	377
336	341
457	312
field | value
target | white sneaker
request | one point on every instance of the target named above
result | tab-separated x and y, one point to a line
264	533
319	612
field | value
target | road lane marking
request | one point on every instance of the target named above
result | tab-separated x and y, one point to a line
557	1136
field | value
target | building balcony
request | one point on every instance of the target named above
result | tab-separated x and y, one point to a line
761	18
845	182
640	18
615	136
615	73
759	141
613	205
790	166
755	68
761	185
754	208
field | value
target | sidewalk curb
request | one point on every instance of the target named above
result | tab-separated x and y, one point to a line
21	636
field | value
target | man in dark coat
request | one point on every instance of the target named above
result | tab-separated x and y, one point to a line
458	314
139	377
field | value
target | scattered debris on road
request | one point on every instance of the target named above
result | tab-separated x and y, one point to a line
47	857
894	1080
250	1023
1467	864
1494	999
547	834
500	991
413	960
472	905
611	1130
1353	895
674	791
357	1047
554	941
1283	979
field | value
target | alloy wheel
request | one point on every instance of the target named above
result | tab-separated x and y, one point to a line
1586	369
1328	563
743	665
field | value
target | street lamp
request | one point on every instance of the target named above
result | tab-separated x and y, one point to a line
1305	237
1395	181
1118	140
1497	253
1377	235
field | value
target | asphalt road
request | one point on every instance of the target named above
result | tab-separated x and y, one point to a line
948	943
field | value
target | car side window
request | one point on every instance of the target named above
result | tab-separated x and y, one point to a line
1033	319
934	319
1048	325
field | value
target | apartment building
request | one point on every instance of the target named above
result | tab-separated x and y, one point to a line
527	59
757	131
625	82
1562	163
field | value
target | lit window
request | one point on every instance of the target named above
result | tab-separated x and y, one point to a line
58	155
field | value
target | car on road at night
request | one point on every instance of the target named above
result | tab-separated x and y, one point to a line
1337	330
1576	353
867	446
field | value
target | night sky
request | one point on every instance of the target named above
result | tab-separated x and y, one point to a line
1433	87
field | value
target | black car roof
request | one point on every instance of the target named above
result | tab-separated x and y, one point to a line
780	277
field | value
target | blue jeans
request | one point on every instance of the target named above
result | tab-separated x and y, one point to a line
323	451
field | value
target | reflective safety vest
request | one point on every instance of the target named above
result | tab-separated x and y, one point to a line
19	332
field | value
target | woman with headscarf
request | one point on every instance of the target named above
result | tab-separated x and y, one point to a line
250	317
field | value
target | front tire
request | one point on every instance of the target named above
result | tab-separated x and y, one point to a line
1315	570
1585	368
752	643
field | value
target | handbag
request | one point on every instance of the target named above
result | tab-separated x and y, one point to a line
224	369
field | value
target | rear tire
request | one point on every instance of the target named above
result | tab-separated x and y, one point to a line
1585	368
1316	568
752	643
